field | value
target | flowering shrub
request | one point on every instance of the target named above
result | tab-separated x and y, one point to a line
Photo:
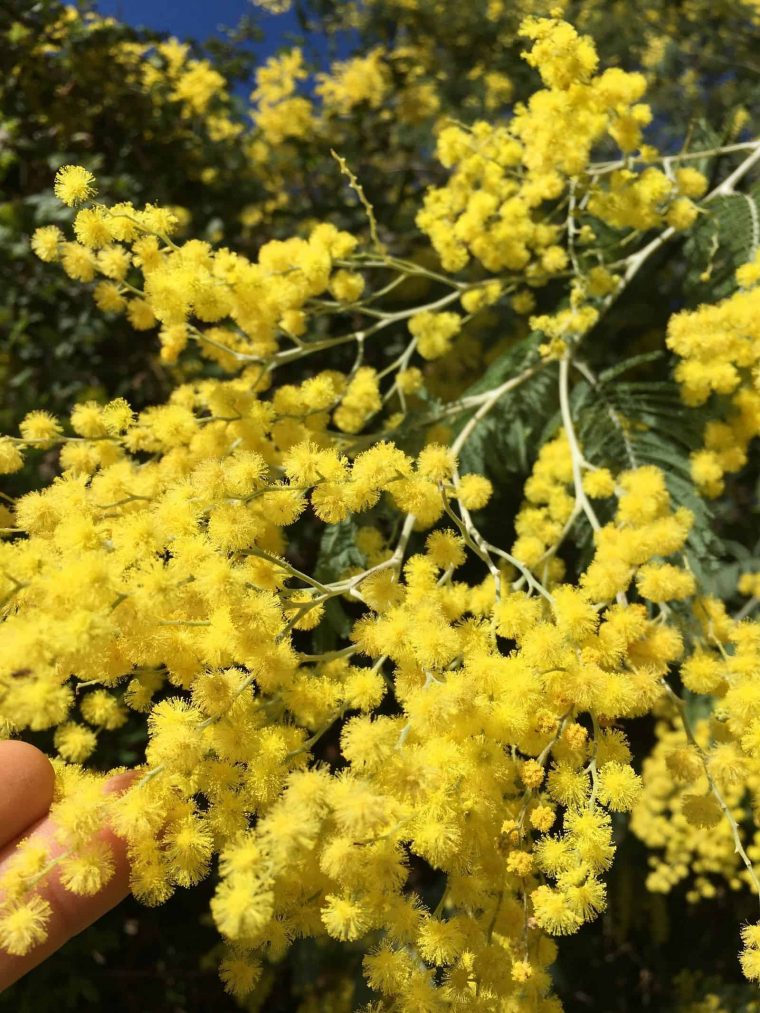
360	657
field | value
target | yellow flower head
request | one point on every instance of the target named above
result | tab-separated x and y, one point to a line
74	184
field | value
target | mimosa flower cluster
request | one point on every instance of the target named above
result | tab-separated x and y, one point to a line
475	681
719	346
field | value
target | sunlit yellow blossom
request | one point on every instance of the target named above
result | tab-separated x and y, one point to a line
74	184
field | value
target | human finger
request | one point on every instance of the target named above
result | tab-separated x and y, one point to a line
26	787
70	913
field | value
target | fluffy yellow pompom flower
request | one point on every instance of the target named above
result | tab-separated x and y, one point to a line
91	227
568	786
702	810
74	742
101	709
703	672
748	275
532	774
87	420
750	961
189	845
344	918
446	549
707	473
346	286
364	689
434	332
108	298
117	416
242	905
240	974
78	262
440	942
23	926
474	491
691	182
542	818
598	484
682	213
74	184
576	616
46	242
554	912
561	56
619	786
140	314
435	462
10	457
88	869
520	863
114	261
521	971
485	295
360	401
750	955
39	427
515	614
409	381
665	582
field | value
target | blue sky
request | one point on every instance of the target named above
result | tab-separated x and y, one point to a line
198	18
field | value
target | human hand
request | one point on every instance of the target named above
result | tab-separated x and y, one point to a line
26	794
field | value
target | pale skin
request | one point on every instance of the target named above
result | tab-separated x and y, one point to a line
26	794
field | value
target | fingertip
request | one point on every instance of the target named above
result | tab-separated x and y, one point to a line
27	780
15	753
71	913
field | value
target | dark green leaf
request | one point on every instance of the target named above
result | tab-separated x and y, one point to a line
338	551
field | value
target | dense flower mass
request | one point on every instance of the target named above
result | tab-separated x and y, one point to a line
289	577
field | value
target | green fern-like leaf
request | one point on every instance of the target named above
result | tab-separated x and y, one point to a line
508	438
726	237
632	424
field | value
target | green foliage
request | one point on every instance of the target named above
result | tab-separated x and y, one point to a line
66	104
338	552
505	442
725	238
644	422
